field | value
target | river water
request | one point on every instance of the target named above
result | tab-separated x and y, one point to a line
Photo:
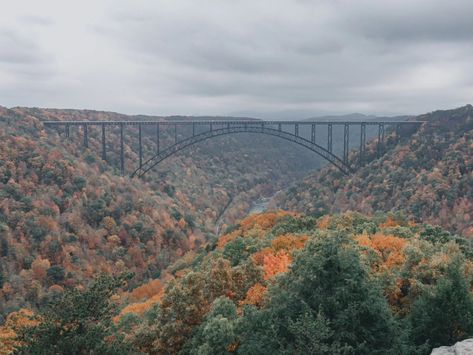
257	206
260	205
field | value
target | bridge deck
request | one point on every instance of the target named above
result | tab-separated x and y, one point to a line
252	122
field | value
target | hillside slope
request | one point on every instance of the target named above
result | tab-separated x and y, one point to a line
66	215
428	176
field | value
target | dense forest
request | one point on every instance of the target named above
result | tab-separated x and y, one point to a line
379	262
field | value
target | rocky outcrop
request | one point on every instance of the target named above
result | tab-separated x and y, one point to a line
464	347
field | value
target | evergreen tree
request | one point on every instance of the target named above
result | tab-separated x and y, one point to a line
325	304
444	315
218	331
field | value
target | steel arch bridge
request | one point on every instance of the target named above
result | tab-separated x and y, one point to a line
198	131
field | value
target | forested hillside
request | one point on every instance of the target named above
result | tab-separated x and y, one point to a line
429	177
278	283
66	215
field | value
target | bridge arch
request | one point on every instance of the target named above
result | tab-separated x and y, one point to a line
246	128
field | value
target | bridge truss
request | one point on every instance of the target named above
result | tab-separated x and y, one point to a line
198	131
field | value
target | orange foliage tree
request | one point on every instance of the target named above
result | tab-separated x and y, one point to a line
276	263
390	255
260	222
388	248
255	295
148	290
272	262
289	242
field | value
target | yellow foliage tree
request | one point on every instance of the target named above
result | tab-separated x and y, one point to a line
15	321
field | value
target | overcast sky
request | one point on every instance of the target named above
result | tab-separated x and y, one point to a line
265	58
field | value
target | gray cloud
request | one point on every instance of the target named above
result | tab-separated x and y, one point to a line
18	49
413	21
32	20
270	58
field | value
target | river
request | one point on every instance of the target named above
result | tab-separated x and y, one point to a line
260	205
257	206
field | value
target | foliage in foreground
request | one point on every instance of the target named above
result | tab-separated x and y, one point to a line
280	283
78	323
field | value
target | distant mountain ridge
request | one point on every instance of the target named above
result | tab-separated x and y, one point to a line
357	117
42	113
95	114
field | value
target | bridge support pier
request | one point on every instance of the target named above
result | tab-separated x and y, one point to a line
104	150
122	153
380	139
86	136
362	143
157	138
140	145
346	142
312	133
329	137
398	133
67	129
